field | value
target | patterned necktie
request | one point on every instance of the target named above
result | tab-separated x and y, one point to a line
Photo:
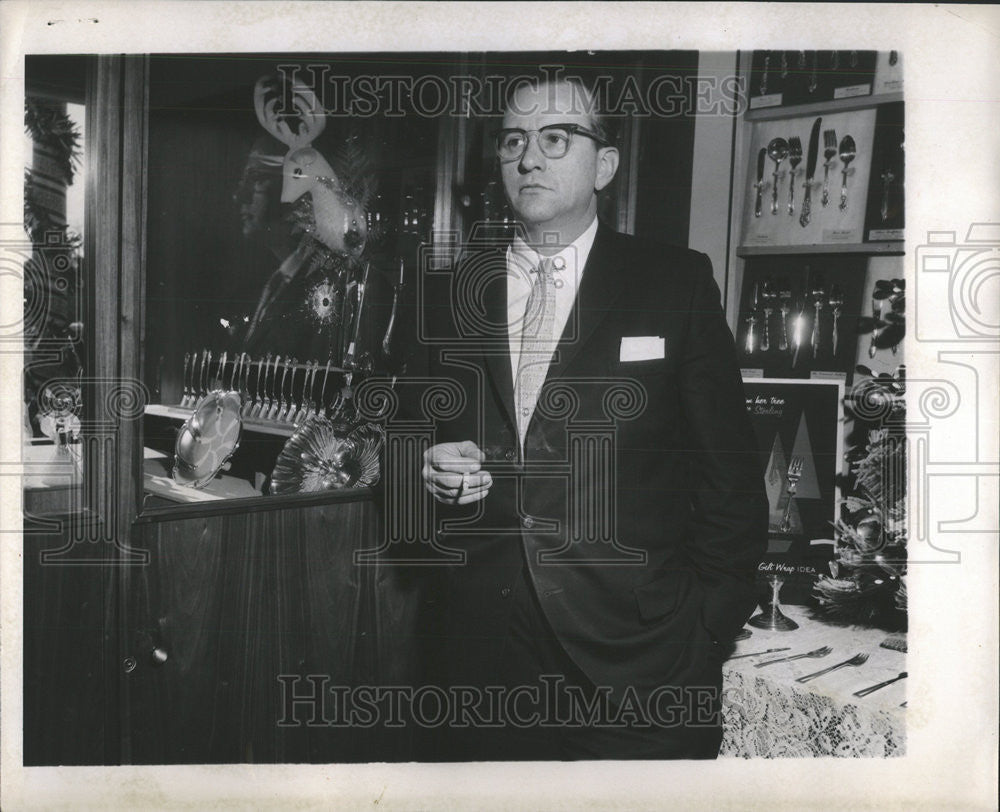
536	345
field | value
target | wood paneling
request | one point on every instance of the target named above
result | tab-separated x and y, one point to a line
69	653
235	601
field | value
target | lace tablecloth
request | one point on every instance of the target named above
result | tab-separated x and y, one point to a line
767	714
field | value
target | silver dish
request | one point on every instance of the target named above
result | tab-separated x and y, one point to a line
208	438
325	455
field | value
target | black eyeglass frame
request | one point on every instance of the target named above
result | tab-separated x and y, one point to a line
572	129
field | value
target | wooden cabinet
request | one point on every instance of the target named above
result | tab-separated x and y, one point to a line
70	650
238	614
203	653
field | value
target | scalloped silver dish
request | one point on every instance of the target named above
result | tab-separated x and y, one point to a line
208	438
325	455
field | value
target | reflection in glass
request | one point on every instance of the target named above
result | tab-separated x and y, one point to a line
53	327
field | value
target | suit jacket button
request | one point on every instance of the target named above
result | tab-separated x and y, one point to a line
527	522
510	454
505	592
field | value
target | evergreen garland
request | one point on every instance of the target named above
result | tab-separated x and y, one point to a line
52	273
867	581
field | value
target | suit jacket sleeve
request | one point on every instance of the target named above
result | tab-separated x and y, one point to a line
728	530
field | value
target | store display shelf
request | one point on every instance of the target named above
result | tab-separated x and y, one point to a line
821	108
895	247
157	479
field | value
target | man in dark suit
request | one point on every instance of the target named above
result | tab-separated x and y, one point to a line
601	480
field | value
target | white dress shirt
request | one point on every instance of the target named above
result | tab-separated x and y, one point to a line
568	265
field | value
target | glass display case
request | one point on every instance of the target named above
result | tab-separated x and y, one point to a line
280	232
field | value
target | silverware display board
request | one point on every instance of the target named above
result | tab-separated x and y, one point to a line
782	78
798	314
783	206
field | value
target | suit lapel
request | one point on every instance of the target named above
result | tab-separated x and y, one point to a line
496	348
602	284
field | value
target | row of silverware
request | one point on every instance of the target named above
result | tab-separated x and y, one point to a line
771	300
778	149
853	662
785	64
274	388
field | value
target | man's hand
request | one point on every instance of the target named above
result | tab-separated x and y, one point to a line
452	473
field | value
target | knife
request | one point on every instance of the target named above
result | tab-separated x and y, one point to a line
810	172
752	319
758	653
759	185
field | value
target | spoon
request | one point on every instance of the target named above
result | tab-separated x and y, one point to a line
794	158
847	154
777	151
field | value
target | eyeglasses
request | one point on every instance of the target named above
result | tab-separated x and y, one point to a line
553	140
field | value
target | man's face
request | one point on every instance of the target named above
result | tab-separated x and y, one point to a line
255	206
259	199
555	195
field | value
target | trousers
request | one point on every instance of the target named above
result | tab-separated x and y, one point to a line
545	708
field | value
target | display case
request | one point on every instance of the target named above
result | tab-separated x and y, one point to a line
271	295
817	293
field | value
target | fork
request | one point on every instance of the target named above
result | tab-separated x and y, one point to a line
815	653
829	153
794	474
857	659
768	295
836	302
785	298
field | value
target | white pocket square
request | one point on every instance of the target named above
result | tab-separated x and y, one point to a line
641	348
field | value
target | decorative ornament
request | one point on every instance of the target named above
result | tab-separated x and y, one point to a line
324	303
325	455
867	582
339	220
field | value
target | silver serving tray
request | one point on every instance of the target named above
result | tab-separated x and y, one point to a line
208	439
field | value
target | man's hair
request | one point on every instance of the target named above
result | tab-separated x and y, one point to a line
604	125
